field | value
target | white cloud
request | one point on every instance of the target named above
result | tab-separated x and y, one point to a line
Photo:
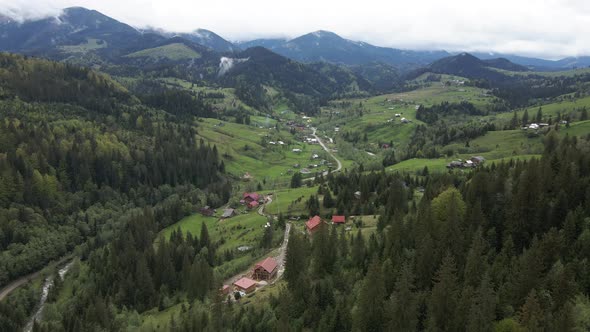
549	28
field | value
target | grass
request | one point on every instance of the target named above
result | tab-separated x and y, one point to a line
90	45
246	149
379	120
228	102
175	51
260	298
159	320
242	230
564	107
291	201
581	128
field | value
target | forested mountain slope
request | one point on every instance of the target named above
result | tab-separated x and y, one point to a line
76	151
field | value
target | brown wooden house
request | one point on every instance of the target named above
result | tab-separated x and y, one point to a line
266	270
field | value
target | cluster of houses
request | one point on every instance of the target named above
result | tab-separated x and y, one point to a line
311	140
263	271
250	200
468	163
535	126
314	223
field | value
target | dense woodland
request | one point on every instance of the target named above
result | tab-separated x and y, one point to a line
504	248
68	171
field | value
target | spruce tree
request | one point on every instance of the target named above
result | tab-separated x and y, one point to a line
443	301
368	314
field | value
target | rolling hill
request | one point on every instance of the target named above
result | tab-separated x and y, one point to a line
469	66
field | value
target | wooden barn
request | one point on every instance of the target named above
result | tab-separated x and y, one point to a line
313	224
265	270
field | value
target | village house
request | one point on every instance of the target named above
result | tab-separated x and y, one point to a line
228	213
265	270
253	205
313	224
225	289
247	198
338	220
245	285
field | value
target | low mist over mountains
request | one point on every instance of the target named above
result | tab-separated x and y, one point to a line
81	30
328	46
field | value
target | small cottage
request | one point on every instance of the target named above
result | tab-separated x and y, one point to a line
338	220
245	285
313	224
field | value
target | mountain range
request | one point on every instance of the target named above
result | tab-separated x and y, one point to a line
88	29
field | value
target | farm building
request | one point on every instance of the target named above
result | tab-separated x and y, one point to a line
228	213
338	219
207	211
253	205
245	285
478	160
266	270
313	224
225	289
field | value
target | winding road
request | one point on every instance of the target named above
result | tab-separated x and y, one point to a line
327	150
338	162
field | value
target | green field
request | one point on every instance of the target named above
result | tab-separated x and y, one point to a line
379	120
229	102
564	107
245	229
291	201
90	45
247	149
175	51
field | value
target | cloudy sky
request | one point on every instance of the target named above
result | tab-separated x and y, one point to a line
544	28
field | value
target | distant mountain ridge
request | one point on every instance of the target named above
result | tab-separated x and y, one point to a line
82	29
329	47
469	66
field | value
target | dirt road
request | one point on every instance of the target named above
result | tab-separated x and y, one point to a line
338	162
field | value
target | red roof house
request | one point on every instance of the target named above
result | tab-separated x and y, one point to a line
250	197
253	204
266	269
338	219
245	285
313	224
